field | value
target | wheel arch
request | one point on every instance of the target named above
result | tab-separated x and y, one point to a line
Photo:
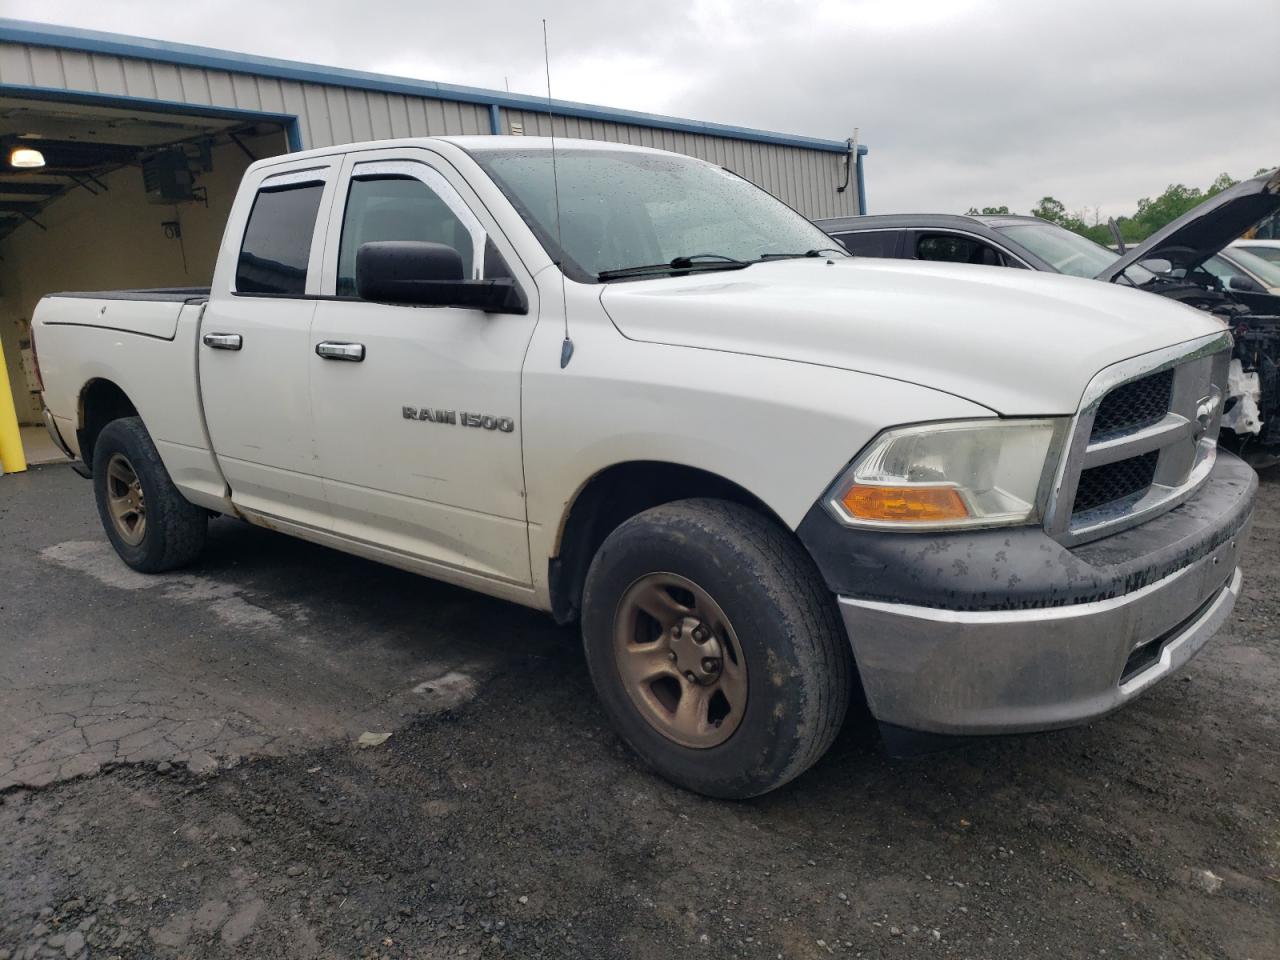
101	400
612	496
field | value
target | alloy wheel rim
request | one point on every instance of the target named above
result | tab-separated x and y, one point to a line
125	501
680	661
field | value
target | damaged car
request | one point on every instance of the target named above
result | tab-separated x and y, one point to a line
1173	262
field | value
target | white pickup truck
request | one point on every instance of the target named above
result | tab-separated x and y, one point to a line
623	385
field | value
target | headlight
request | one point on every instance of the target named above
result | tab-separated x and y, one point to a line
972	473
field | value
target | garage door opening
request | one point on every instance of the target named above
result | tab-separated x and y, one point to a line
99	197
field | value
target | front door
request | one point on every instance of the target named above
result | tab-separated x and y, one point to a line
418	408
255	348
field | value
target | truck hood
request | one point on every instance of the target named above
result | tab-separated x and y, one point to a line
1206	229
1017	342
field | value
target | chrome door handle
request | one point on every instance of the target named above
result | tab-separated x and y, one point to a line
333	350
222	341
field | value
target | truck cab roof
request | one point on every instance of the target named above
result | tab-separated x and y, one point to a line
486	143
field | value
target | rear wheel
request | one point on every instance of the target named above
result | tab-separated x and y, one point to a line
715	647
151	525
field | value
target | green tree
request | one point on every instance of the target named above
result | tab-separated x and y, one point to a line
1098	233
1222	183
1049	209
1152	213
1176	200
986	211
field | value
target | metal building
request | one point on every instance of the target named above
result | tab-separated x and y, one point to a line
143	143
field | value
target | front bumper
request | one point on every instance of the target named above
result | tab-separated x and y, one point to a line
1013	671
960	651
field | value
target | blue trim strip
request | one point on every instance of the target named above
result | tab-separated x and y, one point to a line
93	41
293	131
495	119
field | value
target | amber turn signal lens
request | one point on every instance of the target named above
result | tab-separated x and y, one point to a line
897	504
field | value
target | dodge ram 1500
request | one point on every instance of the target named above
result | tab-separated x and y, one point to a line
630	388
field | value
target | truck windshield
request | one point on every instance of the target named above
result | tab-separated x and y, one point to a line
1068	252
621	209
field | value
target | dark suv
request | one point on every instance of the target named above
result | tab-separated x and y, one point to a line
996	241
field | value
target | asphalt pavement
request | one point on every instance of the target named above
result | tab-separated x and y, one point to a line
288	752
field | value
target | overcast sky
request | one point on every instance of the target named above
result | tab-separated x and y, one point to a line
962	102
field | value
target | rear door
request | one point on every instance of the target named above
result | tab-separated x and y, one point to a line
418	408
255	350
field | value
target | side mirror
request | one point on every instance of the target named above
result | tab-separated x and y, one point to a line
1242	284
429	275
1158	265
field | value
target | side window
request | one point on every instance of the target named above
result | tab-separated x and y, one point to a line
954	248
1221	269
870	243
277	240
397	207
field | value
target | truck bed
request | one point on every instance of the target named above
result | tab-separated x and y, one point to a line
149	313
141	345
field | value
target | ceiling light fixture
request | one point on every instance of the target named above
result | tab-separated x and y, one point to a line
26	157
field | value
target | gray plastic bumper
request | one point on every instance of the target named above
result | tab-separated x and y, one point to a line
1011	671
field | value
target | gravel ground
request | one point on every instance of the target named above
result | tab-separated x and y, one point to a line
182	777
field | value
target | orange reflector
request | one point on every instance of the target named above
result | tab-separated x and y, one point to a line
920	504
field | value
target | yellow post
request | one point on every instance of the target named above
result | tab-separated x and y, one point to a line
12	459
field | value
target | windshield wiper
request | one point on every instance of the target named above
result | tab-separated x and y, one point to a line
695	261
808	253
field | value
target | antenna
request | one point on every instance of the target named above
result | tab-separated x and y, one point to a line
566	348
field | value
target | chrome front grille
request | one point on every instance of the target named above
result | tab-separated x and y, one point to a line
1145	438
1114	482
1133	405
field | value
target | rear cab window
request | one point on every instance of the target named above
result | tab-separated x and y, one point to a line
277	239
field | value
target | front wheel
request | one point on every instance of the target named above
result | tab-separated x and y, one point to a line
151	525
715	647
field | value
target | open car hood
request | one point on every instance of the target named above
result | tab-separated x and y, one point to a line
1203	231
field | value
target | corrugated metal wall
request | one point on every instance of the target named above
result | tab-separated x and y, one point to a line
331	114
326	114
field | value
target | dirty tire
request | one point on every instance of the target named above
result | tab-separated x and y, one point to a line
799	665
175	528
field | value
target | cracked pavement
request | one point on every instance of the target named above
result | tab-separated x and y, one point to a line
267	646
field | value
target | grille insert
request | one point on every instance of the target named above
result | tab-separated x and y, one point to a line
1115	481
1134	405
